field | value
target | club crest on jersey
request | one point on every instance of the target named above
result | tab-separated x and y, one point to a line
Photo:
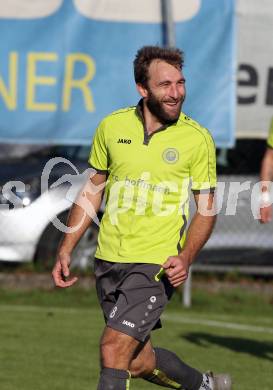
170	155
124	141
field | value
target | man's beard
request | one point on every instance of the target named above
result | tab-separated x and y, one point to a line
157	109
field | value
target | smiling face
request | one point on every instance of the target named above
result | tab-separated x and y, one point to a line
165	91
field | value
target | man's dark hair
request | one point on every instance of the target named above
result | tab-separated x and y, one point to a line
147	54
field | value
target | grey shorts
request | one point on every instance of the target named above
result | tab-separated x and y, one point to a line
132	296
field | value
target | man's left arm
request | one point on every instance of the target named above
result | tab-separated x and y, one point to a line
201	226
199	231
266	176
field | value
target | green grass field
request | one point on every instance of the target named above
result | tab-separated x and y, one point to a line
49	339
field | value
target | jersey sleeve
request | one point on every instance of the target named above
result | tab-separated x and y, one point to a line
270	136
98	158
203	166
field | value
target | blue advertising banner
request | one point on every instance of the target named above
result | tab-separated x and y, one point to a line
67	63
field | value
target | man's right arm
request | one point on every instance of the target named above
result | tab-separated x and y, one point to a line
266	176
83	211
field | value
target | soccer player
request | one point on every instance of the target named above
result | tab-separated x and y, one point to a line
146	155
266	176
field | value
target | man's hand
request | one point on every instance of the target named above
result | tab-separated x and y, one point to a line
177	269
61	271
266	214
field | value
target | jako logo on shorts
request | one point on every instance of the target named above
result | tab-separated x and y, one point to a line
113	312
128	323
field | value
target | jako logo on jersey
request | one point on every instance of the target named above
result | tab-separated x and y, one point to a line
124	141
113	312
128	323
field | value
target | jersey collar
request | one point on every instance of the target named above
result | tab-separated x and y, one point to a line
147	137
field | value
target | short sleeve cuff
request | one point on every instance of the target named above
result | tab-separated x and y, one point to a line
100	171
210	190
